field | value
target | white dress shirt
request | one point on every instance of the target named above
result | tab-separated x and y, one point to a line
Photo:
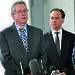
59	35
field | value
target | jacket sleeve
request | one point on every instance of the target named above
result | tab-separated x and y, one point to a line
6	59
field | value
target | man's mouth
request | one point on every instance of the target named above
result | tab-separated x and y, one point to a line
23	17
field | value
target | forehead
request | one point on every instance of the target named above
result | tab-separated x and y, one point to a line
20	6
56	14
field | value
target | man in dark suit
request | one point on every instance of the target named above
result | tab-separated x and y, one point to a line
73	56
59	57
17	52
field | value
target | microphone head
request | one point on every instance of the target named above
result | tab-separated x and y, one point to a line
34	67
52	68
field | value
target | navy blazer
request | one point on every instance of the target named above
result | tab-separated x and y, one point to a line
13	51
64	62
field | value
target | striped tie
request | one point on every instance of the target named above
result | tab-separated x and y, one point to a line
24	38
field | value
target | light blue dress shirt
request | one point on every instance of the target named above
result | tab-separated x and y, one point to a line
18	27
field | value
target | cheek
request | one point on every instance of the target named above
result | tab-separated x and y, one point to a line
27	15
51	21
59	22
17	17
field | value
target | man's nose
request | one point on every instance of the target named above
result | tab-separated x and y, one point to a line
54	19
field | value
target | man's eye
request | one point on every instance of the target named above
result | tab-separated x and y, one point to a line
57	17
52	17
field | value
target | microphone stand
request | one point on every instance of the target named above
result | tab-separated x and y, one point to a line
42	68
21	68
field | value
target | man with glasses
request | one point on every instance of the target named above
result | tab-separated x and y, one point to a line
21	42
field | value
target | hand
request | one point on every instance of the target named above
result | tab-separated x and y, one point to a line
54	72
57	73
63	73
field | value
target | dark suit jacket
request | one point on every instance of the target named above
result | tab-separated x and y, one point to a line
64	62
13	51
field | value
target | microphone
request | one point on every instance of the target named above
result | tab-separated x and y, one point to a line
53	71
34	67
52	68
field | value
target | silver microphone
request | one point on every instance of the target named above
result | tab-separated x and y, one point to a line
21	68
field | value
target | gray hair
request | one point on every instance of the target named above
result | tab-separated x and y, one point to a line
17	2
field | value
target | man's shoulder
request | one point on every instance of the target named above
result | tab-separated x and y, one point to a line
68	34
7	29
47	33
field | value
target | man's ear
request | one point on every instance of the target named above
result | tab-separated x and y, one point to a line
13	16
62	21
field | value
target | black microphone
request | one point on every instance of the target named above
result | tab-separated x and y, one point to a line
34	67
53	69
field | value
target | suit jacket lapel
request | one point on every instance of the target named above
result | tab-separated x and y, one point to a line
29	32
16	38
52	44
64	44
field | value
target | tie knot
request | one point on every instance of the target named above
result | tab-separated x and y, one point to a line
22	30
56	33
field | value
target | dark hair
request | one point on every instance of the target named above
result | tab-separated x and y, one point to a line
57	9
17	2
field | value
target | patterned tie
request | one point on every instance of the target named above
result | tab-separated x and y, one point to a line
57	43
24	38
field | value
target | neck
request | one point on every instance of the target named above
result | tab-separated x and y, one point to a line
20	25
56	29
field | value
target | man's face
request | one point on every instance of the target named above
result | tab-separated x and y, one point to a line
21	15
56	20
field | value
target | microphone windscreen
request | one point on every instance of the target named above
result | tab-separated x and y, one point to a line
51	68
34	67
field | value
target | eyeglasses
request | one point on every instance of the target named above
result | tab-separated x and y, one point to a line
20	12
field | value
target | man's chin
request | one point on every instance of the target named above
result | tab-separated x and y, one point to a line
23	22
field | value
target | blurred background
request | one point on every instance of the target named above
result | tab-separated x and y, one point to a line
39	14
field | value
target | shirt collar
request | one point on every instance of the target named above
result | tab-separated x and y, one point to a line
18	27
60	33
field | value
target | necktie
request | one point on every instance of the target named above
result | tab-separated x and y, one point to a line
57	43
24	38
